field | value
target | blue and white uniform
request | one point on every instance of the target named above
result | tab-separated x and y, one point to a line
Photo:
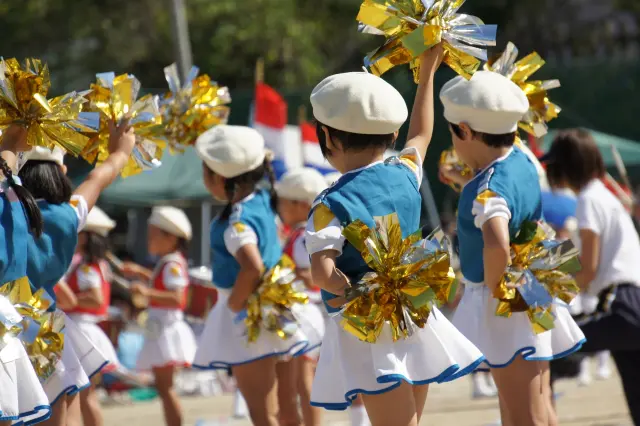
21	393
508	188
49	259
223	342
347	366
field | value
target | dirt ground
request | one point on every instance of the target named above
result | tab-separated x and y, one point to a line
600	404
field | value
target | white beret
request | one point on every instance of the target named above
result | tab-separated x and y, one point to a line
41	153
231	150
201	273
171	220
98	222
303	184
332	178
359	102
488	102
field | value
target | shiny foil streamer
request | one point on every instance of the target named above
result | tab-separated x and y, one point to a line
193	107
413	26
449	157
269	307
115	97
542	270
541	109
60	121
41	332
409	276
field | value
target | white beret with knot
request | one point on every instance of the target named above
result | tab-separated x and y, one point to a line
40	153
359	102
488	103
231	151
171	220
98	222
302	184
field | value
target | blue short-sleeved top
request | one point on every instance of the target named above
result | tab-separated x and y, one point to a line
509	188
252	221
14	233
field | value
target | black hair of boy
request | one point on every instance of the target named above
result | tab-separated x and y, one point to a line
352	141
504	140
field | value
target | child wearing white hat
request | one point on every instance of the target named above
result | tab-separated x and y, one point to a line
244	244
358	117
64	212
89	281
297	190
169	342
483	115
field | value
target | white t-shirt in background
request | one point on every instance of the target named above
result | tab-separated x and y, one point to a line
601	212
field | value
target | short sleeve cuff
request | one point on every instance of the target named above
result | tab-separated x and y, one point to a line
329	237
300	254
174	276
486	208
81	208
238	235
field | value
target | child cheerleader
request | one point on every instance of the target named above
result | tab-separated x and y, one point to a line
244	243
358	117
64	213
483	115
169	343
21	393
296	191
89	282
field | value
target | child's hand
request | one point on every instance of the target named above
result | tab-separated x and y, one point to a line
432	58
137	288
122	138
449	174
14	139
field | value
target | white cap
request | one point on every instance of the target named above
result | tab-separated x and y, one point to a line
488	102
231	150
98	222
41	153
332	178
302	184
201	273
359	102
171	220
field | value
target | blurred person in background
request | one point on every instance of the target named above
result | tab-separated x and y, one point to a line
610	249
169	342
296	191
89	281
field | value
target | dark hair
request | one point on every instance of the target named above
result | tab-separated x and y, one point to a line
574	159
495	141
29	204
46	180
250	178
352	141
96	247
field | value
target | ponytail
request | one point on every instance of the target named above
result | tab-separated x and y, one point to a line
250	178
29	203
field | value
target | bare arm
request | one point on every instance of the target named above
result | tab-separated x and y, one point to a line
14	140
251	269
304	274
91	298
589	257
329	278
421	124
167	298
130	268
66	300
496	251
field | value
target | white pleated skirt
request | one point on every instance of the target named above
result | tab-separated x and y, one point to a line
100	340
501	340
223	342
347	367
21	394
311	322
169	341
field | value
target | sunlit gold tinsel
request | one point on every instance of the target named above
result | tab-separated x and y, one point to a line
449	158
192	108
413	26
49	122
410	275
542	269
24	316
114	98
541	109
269	307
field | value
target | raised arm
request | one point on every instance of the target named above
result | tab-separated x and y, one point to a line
121	142
421	124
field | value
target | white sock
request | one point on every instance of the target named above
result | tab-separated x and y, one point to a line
603	359
358	415
239	405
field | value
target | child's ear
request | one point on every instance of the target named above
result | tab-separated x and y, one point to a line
466	132
331	143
